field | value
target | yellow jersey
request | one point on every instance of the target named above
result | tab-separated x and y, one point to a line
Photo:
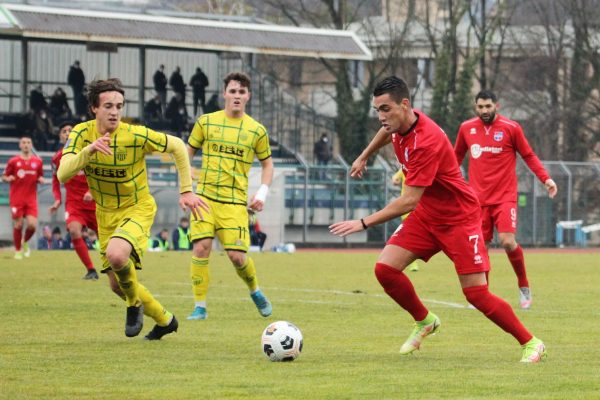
117	180
228	148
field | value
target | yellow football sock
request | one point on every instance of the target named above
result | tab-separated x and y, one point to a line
127	279
248	274
153	308
200	275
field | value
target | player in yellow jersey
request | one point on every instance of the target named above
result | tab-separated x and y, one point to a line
229	140
112	154
398	179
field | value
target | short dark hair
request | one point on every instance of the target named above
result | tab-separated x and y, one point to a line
242	78
486	95
394	86
98	86
65	123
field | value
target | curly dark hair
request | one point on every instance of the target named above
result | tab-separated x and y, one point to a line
100	86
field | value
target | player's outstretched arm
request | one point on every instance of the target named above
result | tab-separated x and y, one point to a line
405	203
187	200
381	138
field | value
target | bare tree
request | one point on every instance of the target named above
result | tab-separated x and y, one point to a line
554	76
351	90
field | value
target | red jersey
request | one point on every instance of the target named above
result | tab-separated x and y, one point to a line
26	172
493	163
76	187
427	159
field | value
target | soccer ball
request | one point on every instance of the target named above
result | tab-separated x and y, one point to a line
281	341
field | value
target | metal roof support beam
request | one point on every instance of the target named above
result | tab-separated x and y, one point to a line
142	81
24	73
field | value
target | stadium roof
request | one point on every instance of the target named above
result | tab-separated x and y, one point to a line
37	22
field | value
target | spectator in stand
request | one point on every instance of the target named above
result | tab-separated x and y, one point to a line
24	172
37	101
45	242
160	242
177	114
257	236
160	86
153	110
323	151
181	239
92	241
212	105
176	82
83	104
58	242
38	126
59	107
199	82
76	79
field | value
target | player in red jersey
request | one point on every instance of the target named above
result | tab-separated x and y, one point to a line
444	217
494	141
24	172
80	208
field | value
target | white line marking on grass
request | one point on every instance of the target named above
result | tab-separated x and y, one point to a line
338	292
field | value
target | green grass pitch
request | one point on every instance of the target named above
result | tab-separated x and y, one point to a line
62	337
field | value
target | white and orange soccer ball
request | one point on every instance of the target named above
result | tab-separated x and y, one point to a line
281	341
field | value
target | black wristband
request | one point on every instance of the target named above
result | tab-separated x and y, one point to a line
365	226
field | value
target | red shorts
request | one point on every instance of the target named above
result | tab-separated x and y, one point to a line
462	243
503	216
23	209
84	217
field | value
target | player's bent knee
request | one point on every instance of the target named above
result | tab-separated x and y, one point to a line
117	259
74	231
385	274
237	258
201	248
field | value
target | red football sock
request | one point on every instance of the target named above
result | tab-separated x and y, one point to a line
17	237
28	234
497	310
518	263
83	253
401	289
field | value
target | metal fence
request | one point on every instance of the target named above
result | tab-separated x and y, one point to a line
578	198
316	196
293	124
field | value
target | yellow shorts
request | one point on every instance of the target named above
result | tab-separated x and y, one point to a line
132	223
228	221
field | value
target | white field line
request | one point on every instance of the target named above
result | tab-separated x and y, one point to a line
327	291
